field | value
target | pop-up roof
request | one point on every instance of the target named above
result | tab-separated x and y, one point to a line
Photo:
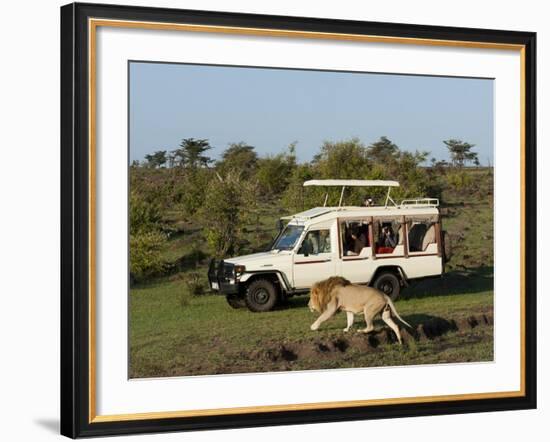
353	183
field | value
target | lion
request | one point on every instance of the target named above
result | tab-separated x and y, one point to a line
336	293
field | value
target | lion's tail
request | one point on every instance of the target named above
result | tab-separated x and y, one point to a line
394	311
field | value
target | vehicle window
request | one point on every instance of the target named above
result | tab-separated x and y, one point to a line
354	236
315	242
421	233
387	235
287	239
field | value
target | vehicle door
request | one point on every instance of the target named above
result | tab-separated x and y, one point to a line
314	258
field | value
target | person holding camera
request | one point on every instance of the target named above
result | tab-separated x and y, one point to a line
368	201
388	237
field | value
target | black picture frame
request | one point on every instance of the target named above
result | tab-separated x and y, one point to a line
75	220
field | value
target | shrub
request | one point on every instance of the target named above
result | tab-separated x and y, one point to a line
460	180
145	254
238	159
220	215
230	205
342	160
273	173
144	216
189	188
152	185
294	197
194	283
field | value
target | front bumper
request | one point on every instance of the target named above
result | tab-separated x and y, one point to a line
221	277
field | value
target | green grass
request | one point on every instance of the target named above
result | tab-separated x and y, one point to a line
175	334
206	336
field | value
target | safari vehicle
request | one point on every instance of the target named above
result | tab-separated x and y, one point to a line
382	246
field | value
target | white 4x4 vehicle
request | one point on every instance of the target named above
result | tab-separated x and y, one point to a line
382	246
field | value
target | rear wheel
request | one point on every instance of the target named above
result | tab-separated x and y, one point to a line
235	301
261	296
388	283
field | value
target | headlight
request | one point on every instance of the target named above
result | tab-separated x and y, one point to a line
239	270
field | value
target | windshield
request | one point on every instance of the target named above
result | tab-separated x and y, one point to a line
287	239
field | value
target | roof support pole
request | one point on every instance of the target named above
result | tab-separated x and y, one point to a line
405	233
371	237
341	196
387	197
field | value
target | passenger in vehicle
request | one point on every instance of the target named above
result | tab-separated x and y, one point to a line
368	202
359	241
310	246
388	237
306	248
365	232
324	241
387	241
349	242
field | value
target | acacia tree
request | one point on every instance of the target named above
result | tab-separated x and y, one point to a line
461	152
382	151
190	153
156	159
240	158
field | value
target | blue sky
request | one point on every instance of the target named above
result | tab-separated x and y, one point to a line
271	108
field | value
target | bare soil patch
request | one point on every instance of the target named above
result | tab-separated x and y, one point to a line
431	329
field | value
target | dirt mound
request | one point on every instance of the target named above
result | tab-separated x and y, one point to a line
433	328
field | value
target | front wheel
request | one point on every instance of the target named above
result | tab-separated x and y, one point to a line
388	284
261	296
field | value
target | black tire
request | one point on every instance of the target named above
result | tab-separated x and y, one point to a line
235	301
261	296
388	283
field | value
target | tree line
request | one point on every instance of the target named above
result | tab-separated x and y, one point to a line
224	196
191	153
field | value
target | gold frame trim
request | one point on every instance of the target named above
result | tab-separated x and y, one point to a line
93	24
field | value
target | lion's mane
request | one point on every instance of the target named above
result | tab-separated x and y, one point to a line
322	291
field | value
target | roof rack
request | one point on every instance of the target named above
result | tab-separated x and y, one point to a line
420	202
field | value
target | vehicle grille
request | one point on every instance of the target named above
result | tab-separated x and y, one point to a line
226	270
220	271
